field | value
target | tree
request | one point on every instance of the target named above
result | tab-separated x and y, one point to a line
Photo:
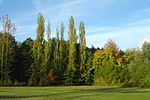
57	68
71	68
111	44
139	67
48	55
62	54
56	54
38	50
62	47
82	43
146	50
7	59
7	47
89	70
23	60
110	68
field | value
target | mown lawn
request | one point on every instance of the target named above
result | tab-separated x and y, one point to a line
74	93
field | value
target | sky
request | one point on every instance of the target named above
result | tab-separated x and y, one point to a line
127	22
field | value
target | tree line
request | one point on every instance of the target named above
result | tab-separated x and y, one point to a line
56	61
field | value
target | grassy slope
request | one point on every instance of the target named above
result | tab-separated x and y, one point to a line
74	93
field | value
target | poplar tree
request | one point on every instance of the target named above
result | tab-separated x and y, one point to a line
56	54
82	42
62	47
71	67
62	55
48	51
48	47
38	50
56	58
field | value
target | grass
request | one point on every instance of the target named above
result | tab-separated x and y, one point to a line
74	93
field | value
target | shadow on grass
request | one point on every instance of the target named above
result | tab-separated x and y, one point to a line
104	91
80	93
117	90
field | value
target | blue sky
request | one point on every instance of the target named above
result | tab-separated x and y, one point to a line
127	22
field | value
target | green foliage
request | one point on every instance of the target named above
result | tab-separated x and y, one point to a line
48	58
62	55
23	61
61	47
139	68
56	53
71	67
57	61
7	50
37	70
82	42
7	57
110	68
146	51
89	72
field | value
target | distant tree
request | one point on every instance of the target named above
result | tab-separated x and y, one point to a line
48	55
139	67
130	55
62	54
110	68
56	54
146	50
7	42
57	68
38	50
89	70
62	47
111	44
23	61
71	68
82	43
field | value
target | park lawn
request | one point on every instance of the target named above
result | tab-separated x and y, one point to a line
74	93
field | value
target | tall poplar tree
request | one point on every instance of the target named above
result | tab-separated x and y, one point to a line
56	58
62	46
82	42
71	68
56	54
48	52
38	50
62	55
48	47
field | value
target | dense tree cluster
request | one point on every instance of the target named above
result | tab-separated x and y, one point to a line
56	61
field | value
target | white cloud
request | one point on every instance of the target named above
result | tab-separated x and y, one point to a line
146	39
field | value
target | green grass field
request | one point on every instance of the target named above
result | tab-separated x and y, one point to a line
74	93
